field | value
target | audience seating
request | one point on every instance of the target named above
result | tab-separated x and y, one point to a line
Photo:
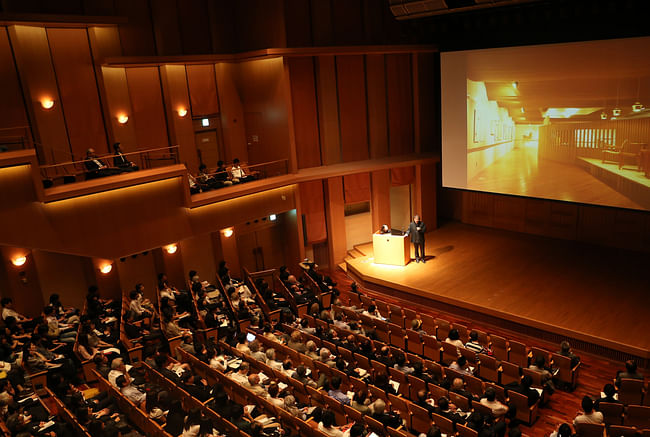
527	414
631	391
567	374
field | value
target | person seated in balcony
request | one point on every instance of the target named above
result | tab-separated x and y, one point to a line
97	168
120	161
221	175
204	178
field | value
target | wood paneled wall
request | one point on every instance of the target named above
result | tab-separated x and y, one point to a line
170	27
614	227
355	107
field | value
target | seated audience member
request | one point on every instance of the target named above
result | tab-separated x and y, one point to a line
454	338
8	311
301	375
238	419
296	343
524	387
458	387
120	161
424	402
195	185
449	410
175	418
564	430
241	375
361	401
274	397
416	325
336	393
588	414
237	172
380	414
57	331
328	426
221	177
461	365
123	382
96	168
565	350
609	392
547	378
474	346
630	372
372	311
489	399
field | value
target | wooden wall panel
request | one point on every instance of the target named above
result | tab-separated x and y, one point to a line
380	198
181	130
222	27
202	83
79	93
357	187
171	264
137	35
428	95
347	19
262	29
62	274
164	14
328	110
39	81
334	208
509	213
98	7
377	113
352	107
24	288
313	209
12	106
232	113
118	102
321	22
195	26
261	88
400	104
425	194
148	110
305	111
134	270
297	23
198	255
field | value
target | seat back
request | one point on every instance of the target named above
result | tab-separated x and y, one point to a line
445	425
525	413
462	331
434	369
400	405
474	385
415	385
631	391
397	336
614	431
337	408
638	416
534	375
376	426
483	409
428	324
431	348
499	347
518	353
489	368
539	352
449	353
442	328
566	373
464	431
414	342
354	415
420	420
459	400
510	373
612	413
438	392
396	315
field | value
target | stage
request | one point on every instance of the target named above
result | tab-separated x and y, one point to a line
598	297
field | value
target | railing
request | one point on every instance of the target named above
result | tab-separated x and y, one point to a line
15	138
150	158
219	179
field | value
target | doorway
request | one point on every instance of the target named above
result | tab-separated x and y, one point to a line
261	248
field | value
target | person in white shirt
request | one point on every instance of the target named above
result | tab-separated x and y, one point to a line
241	375
130	392
326	425
271	361
588	415
8	310
117	369
454	338
461	366
238	174
490	401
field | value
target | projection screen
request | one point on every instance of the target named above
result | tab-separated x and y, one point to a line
561	121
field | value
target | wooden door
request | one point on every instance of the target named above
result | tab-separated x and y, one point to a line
254	137
207	147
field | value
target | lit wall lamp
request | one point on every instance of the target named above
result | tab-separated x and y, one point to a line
272	217
171	249
47	103
122	118
19	260
106	268
228	232
182	112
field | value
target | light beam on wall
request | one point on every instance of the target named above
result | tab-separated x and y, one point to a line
171	248
47	103
182	112
19	260
228	232
106	268
122	118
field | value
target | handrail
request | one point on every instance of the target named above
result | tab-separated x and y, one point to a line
248	167
107	156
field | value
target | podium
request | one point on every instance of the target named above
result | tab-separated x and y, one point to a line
390	249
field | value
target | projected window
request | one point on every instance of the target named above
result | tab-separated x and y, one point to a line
558	121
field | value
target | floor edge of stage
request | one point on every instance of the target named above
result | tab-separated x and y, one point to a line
601	346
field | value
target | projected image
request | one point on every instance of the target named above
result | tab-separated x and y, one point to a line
561	121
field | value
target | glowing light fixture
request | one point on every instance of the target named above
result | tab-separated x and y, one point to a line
182	112
122	118
205	122
171	248
616	112
228	232
638	107
106	268
272	217
47	103
19	260
515	84
603	115
522	110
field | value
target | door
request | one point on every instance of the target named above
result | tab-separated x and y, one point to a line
254	137
261	249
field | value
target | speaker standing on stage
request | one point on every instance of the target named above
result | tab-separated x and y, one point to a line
416	231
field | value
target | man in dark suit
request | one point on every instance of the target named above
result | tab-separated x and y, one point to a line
120	161
416	231
96	167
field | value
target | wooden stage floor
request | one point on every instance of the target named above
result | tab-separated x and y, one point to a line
596	295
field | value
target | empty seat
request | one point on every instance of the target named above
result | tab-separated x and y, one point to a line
638	416
414	342
567	374
527	414
500	348
618	431
442	328
431	348
631	391
509	373
612	413
489	368
518	353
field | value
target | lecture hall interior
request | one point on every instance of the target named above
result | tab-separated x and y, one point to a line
191	193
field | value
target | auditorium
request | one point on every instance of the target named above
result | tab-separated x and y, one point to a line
345	218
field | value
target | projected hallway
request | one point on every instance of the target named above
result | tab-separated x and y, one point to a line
521	172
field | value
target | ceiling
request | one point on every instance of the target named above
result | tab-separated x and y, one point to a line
595	74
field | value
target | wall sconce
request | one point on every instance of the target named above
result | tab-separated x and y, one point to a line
171	249
616	112
47	103
122	118
272	217
106	268
182	112
19	260
228	232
